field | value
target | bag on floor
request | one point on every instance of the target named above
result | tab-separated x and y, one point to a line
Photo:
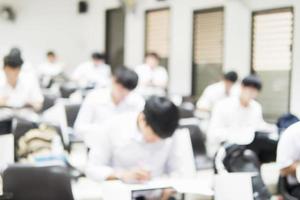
236	158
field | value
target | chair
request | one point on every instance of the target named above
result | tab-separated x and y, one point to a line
67	89
49	101
72	111
37	183
283	189
198	140
5	126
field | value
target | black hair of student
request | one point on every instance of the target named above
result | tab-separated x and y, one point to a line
13	61
252	81
153	54
16	52
51	53
126	77
162	116
231	76
98	56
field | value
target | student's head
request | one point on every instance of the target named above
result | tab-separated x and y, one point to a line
152	59
124	80
251	86
230	79
12	68
159	119
51	56
98	58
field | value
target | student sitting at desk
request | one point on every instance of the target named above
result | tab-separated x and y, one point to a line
51	67
17	88
288	157
217	92
101	104
95	72
236	119
137	147
153	77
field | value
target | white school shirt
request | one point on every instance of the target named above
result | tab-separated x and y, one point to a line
214	93
98	107
288	150
121	147
26	91
50	69
231	122
87	73
158	76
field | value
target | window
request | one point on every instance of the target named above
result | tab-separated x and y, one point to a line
158	33
272	41
207	48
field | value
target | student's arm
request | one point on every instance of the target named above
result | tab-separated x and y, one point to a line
204	102
99	164
162	79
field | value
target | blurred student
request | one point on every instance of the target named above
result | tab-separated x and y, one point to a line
102	104
17	88
51	67
27	66
288	158
138	147
237	119
95	72
153	78
217	92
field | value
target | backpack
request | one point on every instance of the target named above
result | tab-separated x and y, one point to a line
285	121
41	145
236	158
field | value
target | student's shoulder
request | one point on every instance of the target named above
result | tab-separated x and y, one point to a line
292	132
98	94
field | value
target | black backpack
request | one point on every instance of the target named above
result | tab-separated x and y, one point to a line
236	158
285	121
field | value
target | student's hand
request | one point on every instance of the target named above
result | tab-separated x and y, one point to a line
167	194
137	175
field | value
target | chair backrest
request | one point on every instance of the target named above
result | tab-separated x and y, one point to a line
37	183
197	136
72	111
283	189
49	101
5	126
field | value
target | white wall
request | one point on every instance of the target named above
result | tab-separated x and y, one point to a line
55	24
42	25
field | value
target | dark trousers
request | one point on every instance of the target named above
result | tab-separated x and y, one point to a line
264	147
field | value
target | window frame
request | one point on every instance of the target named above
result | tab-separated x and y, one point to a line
273	11
194	70
147	11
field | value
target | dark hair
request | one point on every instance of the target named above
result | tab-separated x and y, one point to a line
231	76
161	115
50	53
13	61
153	54
15	52
252	81
126	77
98	56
